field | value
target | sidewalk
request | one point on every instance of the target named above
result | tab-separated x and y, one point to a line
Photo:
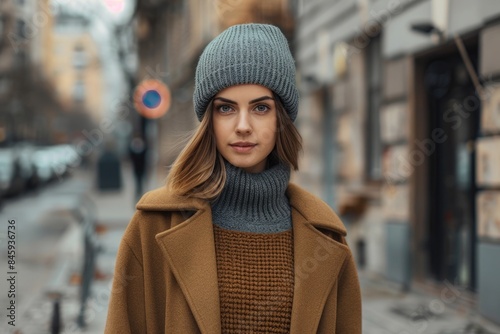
388	310
113	210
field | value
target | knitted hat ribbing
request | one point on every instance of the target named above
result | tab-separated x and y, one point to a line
247	54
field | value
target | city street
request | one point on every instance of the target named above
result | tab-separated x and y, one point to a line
389	111
49	250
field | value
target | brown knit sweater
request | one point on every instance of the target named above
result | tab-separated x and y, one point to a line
255	274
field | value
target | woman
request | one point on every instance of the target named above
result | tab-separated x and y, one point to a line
229	245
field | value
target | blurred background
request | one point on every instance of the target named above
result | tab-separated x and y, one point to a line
400	116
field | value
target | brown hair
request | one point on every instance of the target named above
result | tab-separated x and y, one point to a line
199	169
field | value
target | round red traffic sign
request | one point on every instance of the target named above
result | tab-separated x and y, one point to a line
152	98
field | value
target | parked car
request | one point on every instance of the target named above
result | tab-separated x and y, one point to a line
11	181
53	162
25	156
24	166
6	171
66	158
42	160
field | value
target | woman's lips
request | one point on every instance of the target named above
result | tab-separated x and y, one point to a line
243	148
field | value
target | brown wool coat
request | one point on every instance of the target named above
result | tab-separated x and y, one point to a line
166	278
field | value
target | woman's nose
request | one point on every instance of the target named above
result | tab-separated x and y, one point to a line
243	126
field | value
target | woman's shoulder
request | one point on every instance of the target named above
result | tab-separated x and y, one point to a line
306	200
314	209
159	209
163	199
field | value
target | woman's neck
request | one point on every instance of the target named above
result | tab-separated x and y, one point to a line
254	202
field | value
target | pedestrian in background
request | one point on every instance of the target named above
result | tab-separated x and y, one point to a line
229	245
137	153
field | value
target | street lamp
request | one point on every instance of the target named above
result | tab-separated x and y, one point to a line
427	28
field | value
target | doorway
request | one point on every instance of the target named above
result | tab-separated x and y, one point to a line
453	107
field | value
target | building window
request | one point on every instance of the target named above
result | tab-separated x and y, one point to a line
2	24
21	29
21	58
4	86
79	92
79	58
374	95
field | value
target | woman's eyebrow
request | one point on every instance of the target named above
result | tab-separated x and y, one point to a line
262	98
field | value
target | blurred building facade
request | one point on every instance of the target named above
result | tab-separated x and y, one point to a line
401	124
14	54
75	66
24	28
50	75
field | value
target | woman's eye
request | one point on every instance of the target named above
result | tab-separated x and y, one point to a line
224	108
262	108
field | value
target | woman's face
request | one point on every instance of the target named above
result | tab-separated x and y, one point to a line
245	123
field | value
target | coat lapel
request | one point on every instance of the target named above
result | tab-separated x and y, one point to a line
317	258
189	248
317	263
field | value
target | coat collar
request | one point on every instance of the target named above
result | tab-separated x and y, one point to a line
309	206
317	258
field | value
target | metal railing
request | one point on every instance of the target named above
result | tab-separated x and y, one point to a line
84	211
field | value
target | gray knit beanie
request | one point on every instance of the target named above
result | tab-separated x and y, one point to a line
247	54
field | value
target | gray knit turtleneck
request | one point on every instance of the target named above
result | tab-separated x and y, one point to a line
254	202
